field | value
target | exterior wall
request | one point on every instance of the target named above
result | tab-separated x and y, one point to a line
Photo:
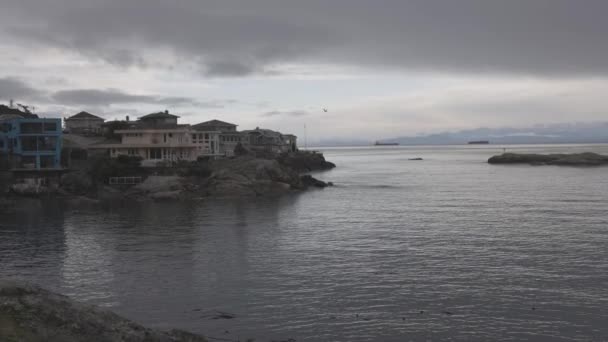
151	156
273	142
159	121
32	143
165	145
207	143
166	137
86	125
228	142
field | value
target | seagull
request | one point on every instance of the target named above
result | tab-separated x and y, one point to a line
325	110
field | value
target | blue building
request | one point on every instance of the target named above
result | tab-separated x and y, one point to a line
31	143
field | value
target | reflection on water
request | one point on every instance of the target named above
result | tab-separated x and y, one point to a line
484	252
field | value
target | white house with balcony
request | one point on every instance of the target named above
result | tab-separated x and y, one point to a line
157	138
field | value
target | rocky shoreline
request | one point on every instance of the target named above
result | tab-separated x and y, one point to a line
30	313
573	159
240	176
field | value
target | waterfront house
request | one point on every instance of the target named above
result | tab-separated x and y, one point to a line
158	138
267	140
227	135
215	125
32	144
84	123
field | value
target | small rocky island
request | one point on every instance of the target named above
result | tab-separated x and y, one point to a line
572	159
30	313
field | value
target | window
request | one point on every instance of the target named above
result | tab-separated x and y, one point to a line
50	126
155	153
31	127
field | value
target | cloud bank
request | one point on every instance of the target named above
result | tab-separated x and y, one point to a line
240	38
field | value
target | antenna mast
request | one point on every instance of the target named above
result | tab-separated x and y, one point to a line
305	138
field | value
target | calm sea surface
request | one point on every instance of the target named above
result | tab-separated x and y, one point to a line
512	252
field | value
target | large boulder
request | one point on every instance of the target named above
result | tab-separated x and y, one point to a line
79	183
29	313
154	184
246	175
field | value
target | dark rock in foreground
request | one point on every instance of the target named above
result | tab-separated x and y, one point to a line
29	313
574	159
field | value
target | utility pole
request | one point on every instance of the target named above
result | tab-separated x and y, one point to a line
305	138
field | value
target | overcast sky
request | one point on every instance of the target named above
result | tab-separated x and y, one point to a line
382	68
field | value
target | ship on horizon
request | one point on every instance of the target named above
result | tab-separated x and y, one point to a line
380	143
479	142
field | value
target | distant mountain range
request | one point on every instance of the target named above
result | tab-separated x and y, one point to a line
595	132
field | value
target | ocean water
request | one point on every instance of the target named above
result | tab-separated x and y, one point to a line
445	249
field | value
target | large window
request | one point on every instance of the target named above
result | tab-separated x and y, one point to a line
31	127
50	126
29	144
47	143
155	153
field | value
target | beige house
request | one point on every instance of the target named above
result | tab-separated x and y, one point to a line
229	137
84	123
157	138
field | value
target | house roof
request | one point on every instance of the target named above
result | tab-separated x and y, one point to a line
84	115
263	131
159	115
8	110
8	117
215	123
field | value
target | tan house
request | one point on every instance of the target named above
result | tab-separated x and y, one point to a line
84	123
157	138
229	137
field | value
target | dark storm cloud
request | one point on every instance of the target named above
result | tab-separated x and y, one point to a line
516	36
287	113
13	88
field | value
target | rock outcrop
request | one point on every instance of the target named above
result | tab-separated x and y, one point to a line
574	159
305	161
309	181
246	175
29	313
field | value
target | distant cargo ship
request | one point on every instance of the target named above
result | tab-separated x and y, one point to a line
479	142
379	143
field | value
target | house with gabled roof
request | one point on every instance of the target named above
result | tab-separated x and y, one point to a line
228	136
84	123
158	138
215	125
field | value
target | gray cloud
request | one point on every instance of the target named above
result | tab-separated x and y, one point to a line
13	88
97	97
287	113
545	37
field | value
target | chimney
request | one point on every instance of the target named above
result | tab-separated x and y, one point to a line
11	103
127	118
166	112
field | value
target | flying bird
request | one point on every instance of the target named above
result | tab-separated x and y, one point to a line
325	110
